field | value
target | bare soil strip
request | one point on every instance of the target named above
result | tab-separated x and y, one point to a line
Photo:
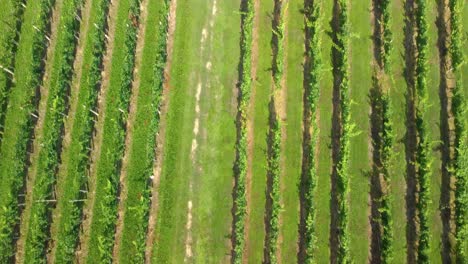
447	132
74	90
38	133
411	134
160	138
129	127
98	136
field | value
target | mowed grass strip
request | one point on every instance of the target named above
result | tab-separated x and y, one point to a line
258	113
176	169
324	160
11	22
104	213
294	59
56	109
212	219
20	119
76	157
360	58
145	128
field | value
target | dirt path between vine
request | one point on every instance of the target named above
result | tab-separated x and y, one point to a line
82	251
129	127
68	124
160	136
38	133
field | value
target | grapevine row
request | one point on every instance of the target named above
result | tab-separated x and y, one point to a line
273	199
277	42
240	165
461	139
71	203
48	160
341	136
273	187
423	147
109	164
383	137
312	76
14	163
143	152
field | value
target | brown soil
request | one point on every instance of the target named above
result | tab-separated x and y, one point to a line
68	126
447	132
82	251
123	193
38	134
160	138
411	134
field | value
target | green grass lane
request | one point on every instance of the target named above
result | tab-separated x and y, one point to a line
73	176
177	169
141	149
294	51
360	58
261	90
212	201
432	119
324	154
398	95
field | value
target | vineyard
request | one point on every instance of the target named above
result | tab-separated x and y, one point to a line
245	131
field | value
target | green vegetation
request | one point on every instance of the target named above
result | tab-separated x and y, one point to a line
461	144
108	168
273	197
19	121
240	166
48	159
142	151
340	53
423	146
312	76
277	42
292	127
383	140
12	18
273	205
77	157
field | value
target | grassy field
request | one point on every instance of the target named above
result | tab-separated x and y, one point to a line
118	135
293	126
199	173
